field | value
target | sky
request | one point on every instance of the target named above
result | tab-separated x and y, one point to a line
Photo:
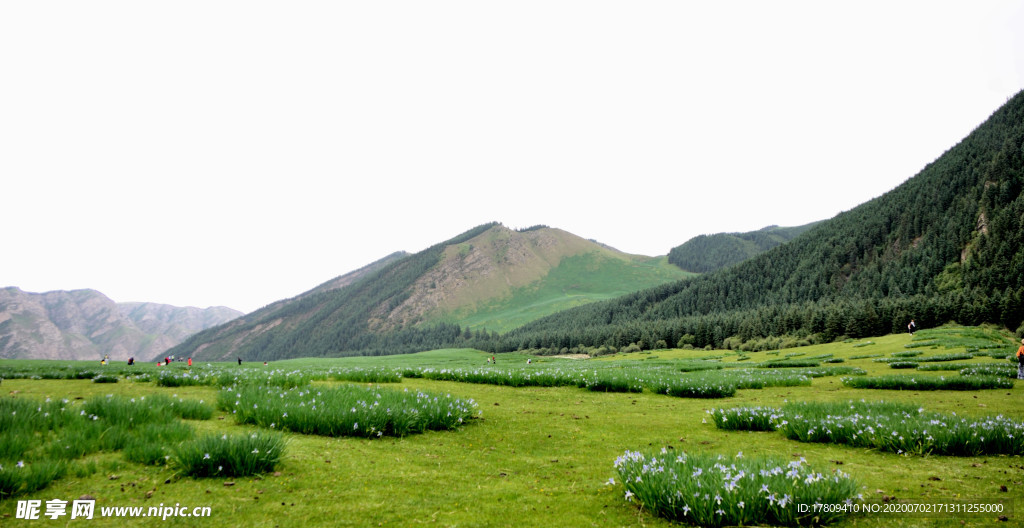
235	153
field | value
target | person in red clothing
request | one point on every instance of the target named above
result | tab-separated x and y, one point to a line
190	362
1020	361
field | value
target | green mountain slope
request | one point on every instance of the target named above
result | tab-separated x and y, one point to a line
577	280
486	280
945	245
707	253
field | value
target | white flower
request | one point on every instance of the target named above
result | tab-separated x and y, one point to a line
206	456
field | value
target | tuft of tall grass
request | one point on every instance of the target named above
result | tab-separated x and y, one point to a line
746	418
121	410
153	443
229	456
190	409
1005	371
886	426
945	357
929	383
346	410
708	489
21	478
789	363
367	375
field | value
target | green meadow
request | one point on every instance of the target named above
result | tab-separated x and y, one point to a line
445	438
577	280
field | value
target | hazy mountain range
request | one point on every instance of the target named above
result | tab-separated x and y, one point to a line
85	324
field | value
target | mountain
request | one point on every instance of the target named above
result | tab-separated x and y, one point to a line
174	322
946	245
707	253
85	324
353	276
485	280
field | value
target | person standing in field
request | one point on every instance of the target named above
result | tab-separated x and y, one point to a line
911	327
1020	361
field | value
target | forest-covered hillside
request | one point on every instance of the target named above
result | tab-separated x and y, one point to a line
946	245
707	253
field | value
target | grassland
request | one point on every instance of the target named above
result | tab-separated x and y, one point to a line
579	279
533	456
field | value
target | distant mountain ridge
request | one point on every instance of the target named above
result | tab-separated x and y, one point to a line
487	279
85	324
707	253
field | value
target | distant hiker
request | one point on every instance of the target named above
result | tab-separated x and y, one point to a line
239	361
493	360
529	360
1020	361
167	361
190	362
911	327
131	361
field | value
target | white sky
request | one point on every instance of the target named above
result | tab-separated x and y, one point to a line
235	153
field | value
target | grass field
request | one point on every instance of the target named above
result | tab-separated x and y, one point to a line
532	456
577	280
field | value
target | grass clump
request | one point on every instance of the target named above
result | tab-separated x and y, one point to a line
152	444
746	418
367	375
707	489
229	455
347	410
885	426
20	478
929	383
188	409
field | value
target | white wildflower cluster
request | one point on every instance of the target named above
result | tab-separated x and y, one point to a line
897	428
715	490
